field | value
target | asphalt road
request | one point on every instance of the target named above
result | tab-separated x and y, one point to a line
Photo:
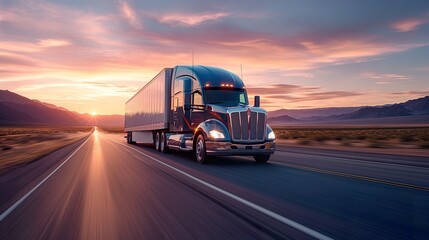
102	188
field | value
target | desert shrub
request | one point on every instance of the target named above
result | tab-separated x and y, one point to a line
361	137
407	138
375	144
424	145
5	148
321	138
304	142
339	138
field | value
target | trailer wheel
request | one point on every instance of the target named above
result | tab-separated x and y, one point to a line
200	150
163	143
157	141
261	158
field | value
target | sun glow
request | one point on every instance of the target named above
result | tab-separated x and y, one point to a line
94	114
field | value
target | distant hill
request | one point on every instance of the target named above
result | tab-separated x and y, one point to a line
18	110
7	96
313	112
396	110
400	113
283	118
418	106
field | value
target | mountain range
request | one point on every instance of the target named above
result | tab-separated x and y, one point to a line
414	111
18	110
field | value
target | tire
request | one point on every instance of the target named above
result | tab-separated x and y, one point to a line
128	138
200	150
163	143
157	141
262	158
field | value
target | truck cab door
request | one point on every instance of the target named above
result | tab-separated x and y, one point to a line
197	109
180	111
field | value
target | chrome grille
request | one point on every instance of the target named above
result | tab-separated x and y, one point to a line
248	126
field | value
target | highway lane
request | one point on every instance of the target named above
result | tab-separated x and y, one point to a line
111	190
406	170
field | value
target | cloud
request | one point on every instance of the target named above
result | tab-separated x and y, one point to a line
191	20
280	89
412	94
8	59
408	25
338	51
53	43
112	87
288	93
129	13
385	78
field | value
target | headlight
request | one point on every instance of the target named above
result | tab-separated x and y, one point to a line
216	134
271	135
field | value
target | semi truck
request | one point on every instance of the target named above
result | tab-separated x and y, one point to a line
200	109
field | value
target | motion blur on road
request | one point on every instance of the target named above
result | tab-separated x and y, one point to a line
102	188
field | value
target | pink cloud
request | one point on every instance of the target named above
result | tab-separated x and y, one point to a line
408	25
129	14
340	50
191	20
385	78
53	43
412	94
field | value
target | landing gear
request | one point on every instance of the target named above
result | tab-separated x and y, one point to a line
130	138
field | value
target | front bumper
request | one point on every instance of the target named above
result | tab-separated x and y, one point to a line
228	148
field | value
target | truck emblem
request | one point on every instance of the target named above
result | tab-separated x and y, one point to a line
248	115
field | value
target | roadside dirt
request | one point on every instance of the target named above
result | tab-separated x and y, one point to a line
23	145
363	148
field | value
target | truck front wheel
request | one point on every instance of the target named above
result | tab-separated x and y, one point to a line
200	150
261	158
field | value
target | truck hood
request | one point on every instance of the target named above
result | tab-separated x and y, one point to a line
225	110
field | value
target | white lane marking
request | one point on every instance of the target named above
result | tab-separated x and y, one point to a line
22	199
254	206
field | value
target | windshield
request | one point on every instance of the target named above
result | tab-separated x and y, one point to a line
226	97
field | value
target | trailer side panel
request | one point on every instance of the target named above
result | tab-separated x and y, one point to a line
149	108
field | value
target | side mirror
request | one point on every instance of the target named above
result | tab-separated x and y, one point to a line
257	101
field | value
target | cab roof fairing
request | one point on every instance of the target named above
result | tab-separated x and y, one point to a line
210	76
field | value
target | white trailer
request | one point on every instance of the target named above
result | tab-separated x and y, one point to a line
148	110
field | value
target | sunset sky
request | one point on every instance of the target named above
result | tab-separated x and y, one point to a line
91	56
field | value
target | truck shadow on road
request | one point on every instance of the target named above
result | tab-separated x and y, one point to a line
188	158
